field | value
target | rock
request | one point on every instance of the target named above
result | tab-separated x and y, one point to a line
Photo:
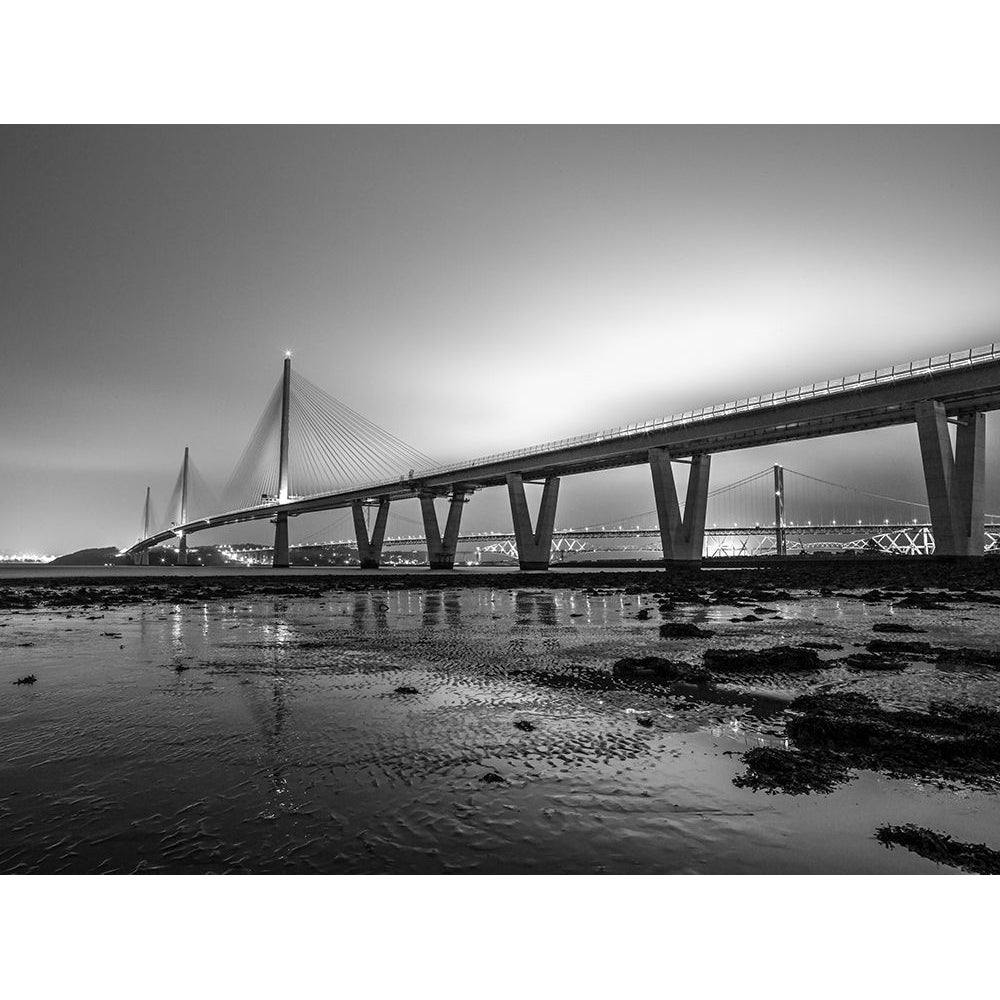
524	726
683	630
642	614
895	627
772	770
27	679
492	778
899	647
923	602
657	670
967	657
940	848
774	659
644	720
406	689
874	661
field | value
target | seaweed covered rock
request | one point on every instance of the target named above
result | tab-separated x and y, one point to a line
964	656
683	630
946	743
771	660
940	848
899	647
771	769
834	732
657	670
874	661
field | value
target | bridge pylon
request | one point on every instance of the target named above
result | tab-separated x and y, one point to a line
441	548
141	558
955	478
534	545
780	542
683	538
370	545
280	560
182	551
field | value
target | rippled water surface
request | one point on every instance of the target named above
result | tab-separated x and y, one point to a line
270	736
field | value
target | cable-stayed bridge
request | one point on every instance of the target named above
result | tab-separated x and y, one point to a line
309	453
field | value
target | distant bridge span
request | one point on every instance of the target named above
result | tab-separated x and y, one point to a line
957	388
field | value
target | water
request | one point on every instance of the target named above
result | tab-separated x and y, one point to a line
282	745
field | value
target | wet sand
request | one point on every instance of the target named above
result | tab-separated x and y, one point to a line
484	721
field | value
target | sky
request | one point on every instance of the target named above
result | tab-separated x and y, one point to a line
470	289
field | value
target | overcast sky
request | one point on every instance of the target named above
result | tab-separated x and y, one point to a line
469	289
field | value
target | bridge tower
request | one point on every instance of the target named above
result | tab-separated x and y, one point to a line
142	558
281	520
955	478
182	550
780	545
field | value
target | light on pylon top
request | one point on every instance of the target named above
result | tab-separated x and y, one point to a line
288	354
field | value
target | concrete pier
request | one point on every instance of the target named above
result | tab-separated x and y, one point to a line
370	547
441	550
280	560
955	478
534	545
683	538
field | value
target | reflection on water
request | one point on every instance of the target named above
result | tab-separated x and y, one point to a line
352	733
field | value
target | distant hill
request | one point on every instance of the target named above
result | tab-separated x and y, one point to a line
91	557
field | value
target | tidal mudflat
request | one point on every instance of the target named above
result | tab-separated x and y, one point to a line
823	717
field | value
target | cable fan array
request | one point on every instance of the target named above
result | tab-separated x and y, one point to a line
332	448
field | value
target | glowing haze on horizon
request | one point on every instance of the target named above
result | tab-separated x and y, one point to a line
469	289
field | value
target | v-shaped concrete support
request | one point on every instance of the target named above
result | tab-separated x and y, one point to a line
534	545
370	548
955	479
683	538
441	551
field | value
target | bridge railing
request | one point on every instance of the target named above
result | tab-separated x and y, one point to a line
850	383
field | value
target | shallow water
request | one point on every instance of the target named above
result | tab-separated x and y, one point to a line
283	745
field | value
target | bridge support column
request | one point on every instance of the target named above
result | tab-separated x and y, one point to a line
280	560
534	545
441	550
370	548
955	478
182	551
683	538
